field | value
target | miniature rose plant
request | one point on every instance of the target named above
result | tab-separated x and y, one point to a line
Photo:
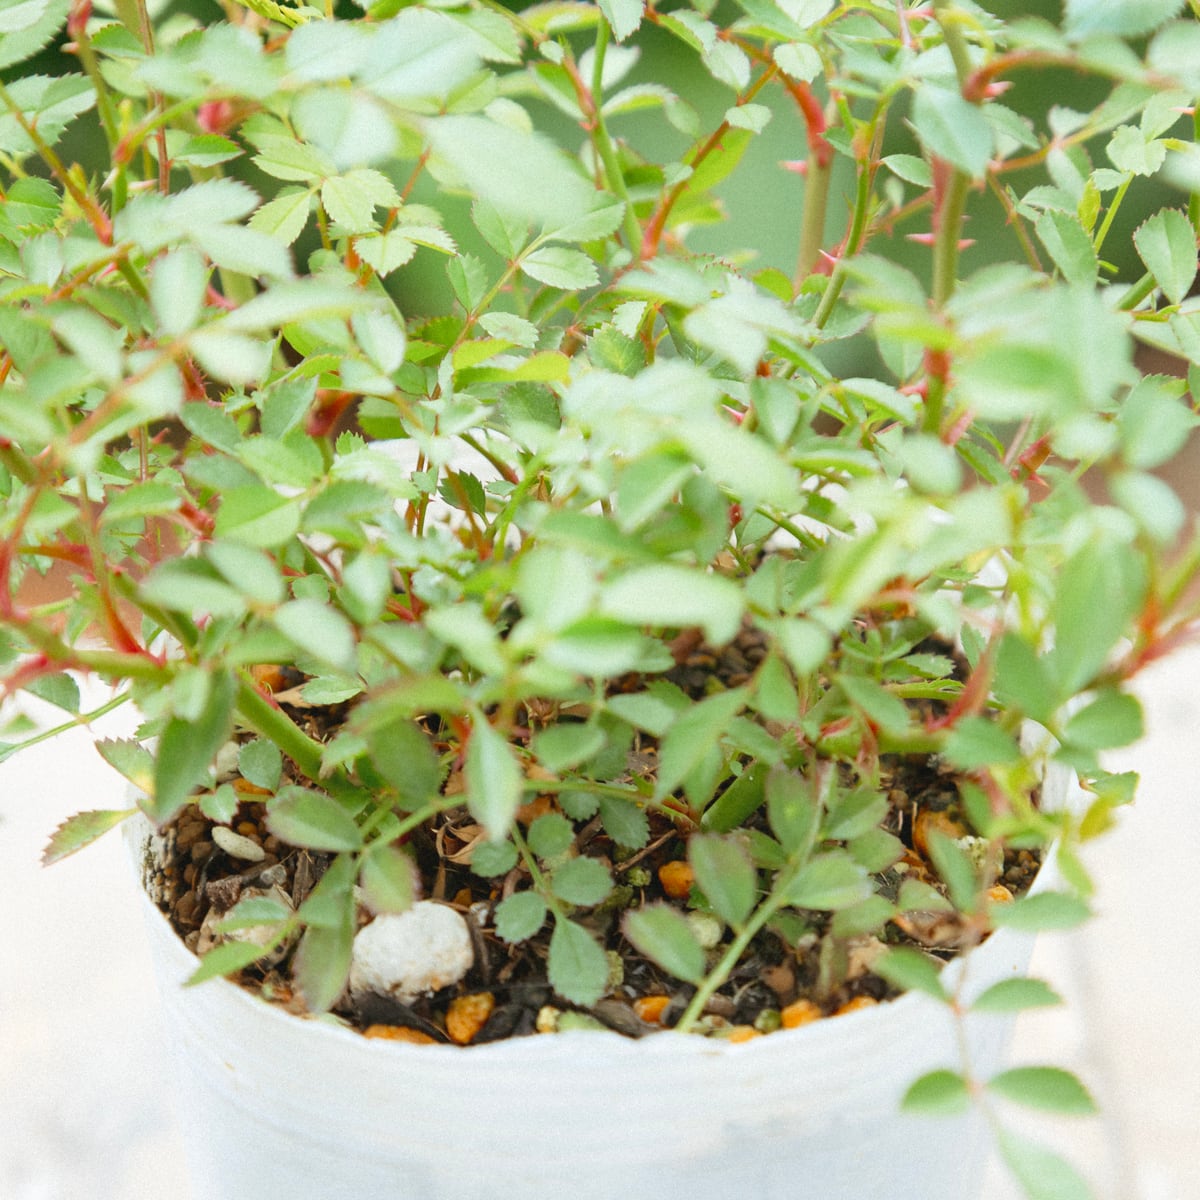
375	344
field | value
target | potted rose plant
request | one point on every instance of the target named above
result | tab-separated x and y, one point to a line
675	641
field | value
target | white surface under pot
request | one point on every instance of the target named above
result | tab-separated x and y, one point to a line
281	1105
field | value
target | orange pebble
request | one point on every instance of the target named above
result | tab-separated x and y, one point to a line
855	1004
676	878
799	1012
467	1015
399	1033
651	1008
927	821
999	894
743	1033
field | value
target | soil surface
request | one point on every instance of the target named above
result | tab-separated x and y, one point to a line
783	981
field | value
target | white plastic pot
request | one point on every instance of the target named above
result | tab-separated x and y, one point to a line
307	1110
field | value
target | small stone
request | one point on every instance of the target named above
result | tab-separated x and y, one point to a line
405	955
706	929
467	1015
855	1004
548	1018
651	1008
258	935
799	1012
237	845
676	878
743	1033
227	761
399	1033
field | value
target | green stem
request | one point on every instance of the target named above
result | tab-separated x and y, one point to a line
1137	293
273	724
812	220
854	240
729	960
79	719
613	174
1110	216
956	43
1194	198
945	247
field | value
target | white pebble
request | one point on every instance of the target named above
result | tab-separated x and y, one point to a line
407	954
237	845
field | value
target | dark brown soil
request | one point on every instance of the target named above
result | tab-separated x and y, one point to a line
784	979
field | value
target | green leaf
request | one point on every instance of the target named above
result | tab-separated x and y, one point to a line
828	881
1154	422
177	290
956	870
419	54
402	753
81	830
499	164
1016	995
258	516
493	858
563	746
938	1093
623	16
912	971
1087	18
977	742
793	809
1042	1174
1110	720
29	27
953	128
253	912
665	595
1068	244
1100	589
693	735
550	835
321	963
597	224
1021	679
1042	912
388	879
312	820
493	780
351	199
261	763
725	874
560	267
855	813
284	217
1166	243
59	689
318	630
519	916
226	959
800	61
186	749
130	759
662	934
625	822
577	966
581	880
